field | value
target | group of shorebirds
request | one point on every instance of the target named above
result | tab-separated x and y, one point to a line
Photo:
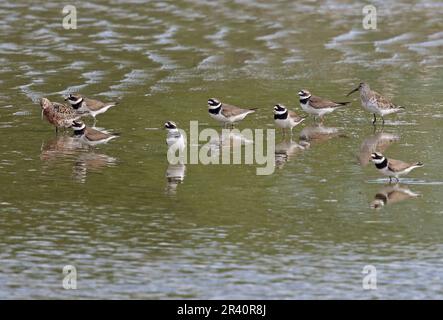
68	116
371	101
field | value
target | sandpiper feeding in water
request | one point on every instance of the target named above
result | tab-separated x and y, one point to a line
90	136
316	105
286	119
225	113
93	107
58	114
393	168
375	103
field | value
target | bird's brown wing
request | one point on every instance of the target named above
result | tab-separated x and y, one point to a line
62	108
397	165
320	103
64	115
95	105
397	196
384	102
295	116
231	111
95	135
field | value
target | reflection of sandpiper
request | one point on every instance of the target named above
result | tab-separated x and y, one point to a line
67	149
377	142
175	174
287	149
392	194
61	146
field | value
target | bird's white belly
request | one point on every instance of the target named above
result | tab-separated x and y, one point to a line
320	112
307	108
219	117
283	123
387	172
370	106
176	143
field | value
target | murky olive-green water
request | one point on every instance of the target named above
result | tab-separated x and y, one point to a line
306	231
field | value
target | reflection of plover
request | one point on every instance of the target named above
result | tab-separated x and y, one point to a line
90	136
286	119
392	194
375	103
174	137
319	133
286	149
93	107
316	105
393	168
175	174
225	113
58	114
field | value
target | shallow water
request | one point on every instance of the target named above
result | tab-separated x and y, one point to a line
306	231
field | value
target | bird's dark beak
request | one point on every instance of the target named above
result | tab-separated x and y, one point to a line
356	89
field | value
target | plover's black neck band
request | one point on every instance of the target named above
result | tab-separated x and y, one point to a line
215	111
79	132
304	101
77	105
382	165
282	116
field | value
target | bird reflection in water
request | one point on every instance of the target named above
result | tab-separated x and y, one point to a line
60	147
377	142
91	162
319	133
230	139
175	174
287	149
392	194
70	149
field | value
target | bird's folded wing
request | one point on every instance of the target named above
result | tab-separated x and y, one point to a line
95	135
397	165
94	105
320	103
231	111
383	102
294	116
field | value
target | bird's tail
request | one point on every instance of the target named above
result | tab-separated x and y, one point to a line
343	103
419	164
